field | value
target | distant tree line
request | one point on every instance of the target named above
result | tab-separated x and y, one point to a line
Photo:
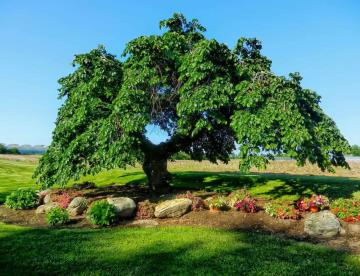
22	149
5	150
355	150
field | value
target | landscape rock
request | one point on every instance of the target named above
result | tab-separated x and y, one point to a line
42	209
342	231
173	208
323	224
145	223
47	199
77	206
354	229
125	206
42	195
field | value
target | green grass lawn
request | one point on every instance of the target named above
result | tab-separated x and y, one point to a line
15	174
173	250
165	251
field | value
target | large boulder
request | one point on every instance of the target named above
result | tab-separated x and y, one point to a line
173	208
77	206
42	195
124	206
42	209
323	224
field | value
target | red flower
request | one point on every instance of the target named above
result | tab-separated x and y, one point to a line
63	198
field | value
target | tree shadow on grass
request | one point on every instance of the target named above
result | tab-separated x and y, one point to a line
276	186
3	196
268	185
163	251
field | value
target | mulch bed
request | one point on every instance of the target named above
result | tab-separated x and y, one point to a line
232	219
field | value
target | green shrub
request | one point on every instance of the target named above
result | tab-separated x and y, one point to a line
218	202
23	198
102	213
57	216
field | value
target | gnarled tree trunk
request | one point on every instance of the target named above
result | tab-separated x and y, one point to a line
157	174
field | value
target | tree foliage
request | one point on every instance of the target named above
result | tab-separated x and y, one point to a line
206	96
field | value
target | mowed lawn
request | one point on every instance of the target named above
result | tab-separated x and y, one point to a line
163	251
205	176
174	250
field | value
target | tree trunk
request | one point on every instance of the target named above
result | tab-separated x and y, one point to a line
157	174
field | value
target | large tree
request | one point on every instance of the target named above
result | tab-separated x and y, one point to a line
207	97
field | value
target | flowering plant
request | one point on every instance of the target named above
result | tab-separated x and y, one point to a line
319	201
279	210
237	196
145	210
346	209
247	205
63	199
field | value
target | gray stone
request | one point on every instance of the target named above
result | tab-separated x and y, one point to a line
323	224
354	229
77	206
125	206
42	195
342	231
173	208
47	199
145	223
42	209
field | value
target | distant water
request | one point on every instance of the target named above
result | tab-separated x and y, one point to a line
348	158
353	158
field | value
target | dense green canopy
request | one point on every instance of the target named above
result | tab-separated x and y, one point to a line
207	97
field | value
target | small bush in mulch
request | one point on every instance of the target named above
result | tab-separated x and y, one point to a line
197	202
102	213
218	203
23	198
347	210
57	216
145	210
282	211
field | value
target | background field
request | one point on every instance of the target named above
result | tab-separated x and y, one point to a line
281	180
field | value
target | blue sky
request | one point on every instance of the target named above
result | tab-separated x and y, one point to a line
319	39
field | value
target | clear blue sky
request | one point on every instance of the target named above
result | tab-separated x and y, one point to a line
319	39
